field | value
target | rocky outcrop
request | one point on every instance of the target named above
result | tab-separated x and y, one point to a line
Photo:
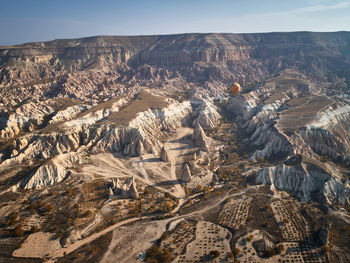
69	113
303	181
186	176
97	115
123	190
164	155
200	139
139	137
326	135
46	175
337	192
91	133
133	193
207	115
287	125
194	156
272	141
23	118
52	171
111	194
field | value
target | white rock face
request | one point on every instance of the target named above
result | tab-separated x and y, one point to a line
272	141
336	191
303	180
328	136
330	118
208	117
246	106
93	117
54	171
138	138
69	113
172	116
46	175
24	117
295	179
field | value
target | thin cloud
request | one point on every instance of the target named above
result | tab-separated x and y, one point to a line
318	1
312	9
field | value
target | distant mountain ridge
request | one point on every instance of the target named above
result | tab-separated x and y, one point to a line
198	58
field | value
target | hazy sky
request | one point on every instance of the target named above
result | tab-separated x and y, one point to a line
37	20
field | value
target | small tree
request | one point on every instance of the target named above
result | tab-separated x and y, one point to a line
280	248
12	218
18	231
214	253
69	191
324	158
324	249
168	205
34	229
261	160
237	251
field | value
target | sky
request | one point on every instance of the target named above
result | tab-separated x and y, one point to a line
24	21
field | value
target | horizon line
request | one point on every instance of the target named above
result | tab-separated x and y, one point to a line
175	34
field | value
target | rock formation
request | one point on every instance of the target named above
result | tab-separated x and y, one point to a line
195	156
200	139
164	155
295	136
111	194
123	190
186	176
207	115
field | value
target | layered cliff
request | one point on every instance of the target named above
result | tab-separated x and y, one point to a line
80	67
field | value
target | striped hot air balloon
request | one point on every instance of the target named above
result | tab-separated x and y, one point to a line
235	88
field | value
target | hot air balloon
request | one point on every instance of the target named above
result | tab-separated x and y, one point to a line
235	88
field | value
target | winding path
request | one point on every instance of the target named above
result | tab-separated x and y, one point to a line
176	148
87	240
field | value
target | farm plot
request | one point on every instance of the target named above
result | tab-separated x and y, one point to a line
235	212
211	243
293	226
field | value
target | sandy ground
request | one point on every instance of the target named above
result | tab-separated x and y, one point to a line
128	242
178	147
149	168
38	245
89	239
